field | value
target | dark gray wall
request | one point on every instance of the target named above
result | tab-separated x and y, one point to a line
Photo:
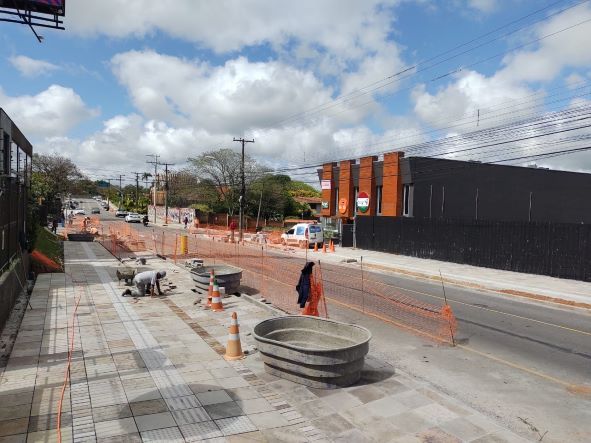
503	191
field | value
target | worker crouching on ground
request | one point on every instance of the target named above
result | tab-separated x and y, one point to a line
144	283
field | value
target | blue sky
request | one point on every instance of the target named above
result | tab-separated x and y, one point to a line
130	78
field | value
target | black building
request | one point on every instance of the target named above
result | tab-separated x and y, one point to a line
15	174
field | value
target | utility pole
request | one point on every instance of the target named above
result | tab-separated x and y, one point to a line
120	190
155	163
243	188
137	189
166	165
109	192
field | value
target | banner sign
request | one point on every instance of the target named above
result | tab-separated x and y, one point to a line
324	205
325	184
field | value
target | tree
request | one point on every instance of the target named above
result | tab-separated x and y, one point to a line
54	174
222	167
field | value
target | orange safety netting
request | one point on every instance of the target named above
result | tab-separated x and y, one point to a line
275	275
44	263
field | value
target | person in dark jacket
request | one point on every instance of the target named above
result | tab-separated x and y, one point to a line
303	286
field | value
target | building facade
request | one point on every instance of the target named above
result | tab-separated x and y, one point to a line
15	174
423	187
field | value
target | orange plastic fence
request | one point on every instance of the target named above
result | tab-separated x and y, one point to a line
275	276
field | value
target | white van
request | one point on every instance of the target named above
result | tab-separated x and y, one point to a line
302	232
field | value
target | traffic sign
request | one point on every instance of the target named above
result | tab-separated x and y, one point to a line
363	201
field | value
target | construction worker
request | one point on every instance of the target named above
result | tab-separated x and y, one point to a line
144	283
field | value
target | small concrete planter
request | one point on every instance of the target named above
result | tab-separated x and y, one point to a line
228	277
315	352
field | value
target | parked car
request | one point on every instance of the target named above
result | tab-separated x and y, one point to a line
95	211
132	217
302	232
121	213
79	212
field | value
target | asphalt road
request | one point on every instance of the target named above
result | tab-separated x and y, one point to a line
515	358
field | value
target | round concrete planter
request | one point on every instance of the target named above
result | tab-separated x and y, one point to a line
228	277
312	351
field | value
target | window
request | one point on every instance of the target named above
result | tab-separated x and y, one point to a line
290	232
407	200
22	165
13	159
336	198
300	230
379	200
4	154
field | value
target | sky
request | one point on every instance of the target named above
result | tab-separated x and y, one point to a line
309	81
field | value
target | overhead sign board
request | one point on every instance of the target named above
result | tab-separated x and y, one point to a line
325	184
363	201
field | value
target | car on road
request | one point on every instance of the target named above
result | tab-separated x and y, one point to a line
121	213
132	217
79	212
95	211
304	232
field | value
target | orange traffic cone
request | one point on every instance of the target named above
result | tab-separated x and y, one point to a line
324	247
315	247
210	289
216	300
331	246
234	348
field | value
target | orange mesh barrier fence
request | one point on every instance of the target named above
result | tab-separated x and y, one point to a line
275	276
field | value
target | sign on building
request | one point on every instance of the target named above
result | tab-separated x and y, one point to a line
324	205
363	201
343	205
325	184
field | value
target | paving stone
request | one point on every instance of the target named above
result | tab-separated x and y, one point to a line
435	413
111	413
213	397
154	421
178	403
17	438
340	401
116	427
49	436
386	407
267	420
255	405
235	425
463	429
12	412
223	410
438	435
46	422
188	416
201	431
233	382
249	437
410	422
242	393
167	435
14	426
366	394
148	407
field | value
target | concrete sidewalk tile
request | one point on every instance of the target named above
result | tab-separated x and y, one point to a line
249	437
385	407
243	393
412	399
213	397
116	427
17	438
267	420
178	403
255	405
166	435
340	401
188	416
17	411
352	435
410	422
314	409
290	434
154	421
107	413
51	435
233	382
437	434
148	407
22	398
236	425
463	429
201	431
223	410
366	394
136	396
435	413
46	422
14	426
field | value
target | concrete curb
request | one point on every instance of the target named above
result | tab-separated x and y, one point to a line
267	306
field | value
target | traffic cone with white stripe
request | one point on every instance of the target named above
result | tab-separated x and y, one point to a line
216	299
234	348
210	289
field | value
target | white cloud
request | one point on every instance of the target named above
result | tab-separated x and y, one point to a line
30	67
52	112
574	81
485	6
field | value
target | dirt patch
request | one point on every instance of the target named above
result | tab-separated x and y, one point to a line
579	390
546	298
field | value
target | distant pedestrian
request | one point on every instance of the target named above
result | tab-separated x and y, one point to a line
70	218
54	226
186	221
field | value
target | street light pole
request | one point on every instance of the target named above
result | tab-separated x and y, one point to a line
242	188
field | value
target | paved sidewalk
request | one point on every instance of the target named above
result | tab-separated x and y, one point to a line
151	369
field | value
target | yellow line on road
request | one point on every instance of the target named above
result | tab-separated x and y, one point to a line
578	331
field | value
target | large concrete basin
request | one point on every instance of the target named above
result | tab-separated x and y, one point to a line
312	351
228	277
